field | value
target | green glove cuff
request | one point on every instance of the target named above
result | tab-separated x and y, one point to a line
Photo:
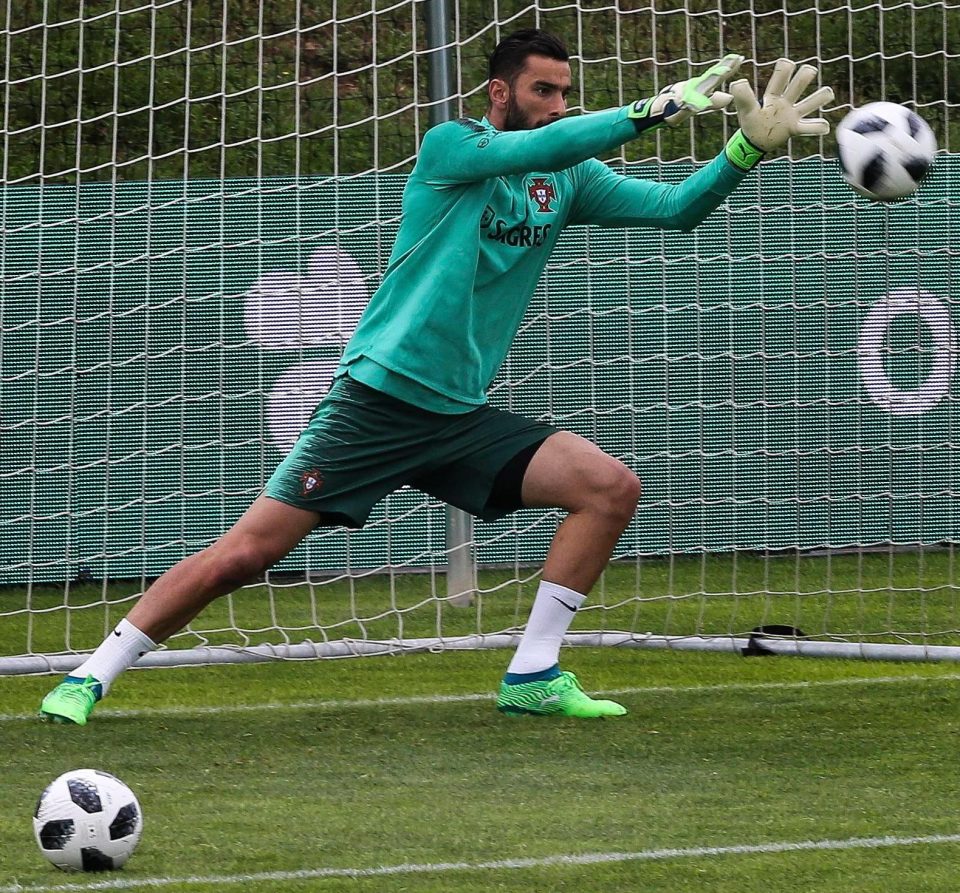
741	153
641	113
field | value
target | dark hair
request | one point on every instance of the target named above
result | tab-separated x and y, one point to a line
510	55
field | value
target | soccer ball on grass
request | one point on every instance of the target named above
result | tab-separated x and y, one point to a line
885	150
87	820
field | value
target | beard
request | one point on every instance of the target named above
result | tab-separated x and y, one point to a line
517	119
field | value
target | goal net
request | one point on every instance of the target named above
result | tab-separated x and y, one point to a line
199	198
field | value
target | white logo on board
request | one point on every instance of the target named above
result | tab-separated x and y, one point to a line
289	311
872	351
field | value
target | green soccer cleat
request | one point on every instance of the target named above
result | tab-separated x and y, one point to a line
561	695
71	701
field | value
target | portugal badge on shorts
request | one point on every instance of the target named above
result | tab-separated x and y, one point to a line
542	192
310	482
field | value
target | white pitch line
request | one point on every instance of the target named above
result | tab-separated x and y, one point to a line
415	700
566	860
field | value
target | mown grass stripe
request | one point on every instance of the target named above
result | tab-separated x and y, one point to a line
560	861
416	700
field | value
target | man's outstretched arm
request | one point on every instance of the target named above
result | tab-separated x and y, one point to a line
464	151
608	199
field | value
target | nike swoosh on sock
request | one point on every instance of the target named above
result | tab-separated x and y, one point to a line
562	602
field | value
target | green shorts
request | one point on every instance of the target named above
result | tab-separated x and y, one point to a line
361	445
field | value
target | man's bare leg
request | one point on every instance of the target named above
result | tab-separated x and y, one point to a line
600	495
267	531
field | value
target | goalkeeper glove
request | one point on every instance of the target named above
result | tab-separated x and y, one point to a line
678	102
782	115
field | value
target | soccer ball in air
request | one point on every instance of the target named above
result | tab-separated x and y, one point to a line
87	820
885	150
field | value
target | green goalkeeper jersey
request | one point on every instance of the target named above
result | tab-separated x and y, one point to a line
482	211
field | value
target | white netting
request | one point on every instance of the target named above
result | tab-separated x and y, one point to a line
198	199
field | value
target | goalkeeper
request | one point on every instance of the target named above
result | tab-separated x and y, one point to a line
482	211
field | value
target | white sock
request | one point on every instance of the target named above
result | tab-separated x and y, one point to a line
550	618
118	651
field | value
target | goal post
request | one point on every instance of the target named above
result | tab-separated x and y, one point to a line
198	199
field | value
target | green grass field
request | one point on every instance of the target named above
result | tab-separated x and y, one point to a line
396	774
879	597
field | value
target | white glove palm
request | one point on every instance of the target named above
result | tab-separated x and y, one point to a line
783	113
678	102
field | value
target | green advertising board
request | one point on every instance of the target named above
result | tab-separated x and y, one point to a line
782	377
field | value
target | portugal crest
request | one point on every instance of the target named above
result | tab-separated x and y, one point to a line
310	482
542	192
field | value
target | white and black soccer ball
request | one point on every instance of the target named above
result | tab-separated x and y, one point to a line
885	150
87	820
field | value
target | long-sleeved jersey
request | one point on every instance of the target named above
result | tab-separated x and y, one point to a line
482	211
